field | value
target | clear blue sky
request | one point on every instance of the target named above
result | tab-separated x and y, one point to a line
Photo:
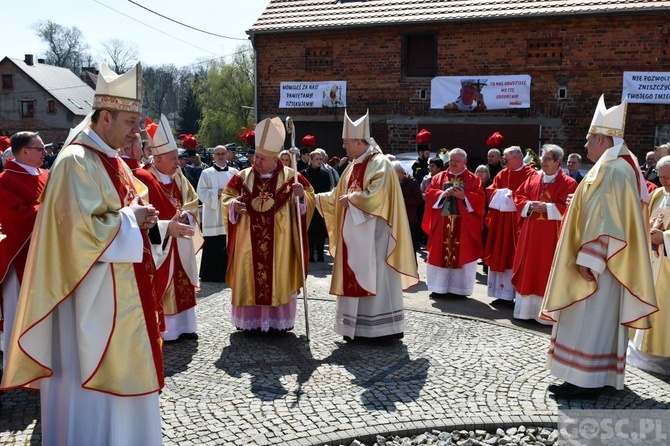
101	20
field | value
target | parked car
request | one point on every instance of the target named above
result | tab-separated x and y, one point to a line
408	158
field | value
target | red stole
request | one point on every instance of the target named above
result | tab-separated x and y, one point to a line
132	163
351	286
144	270
167	198
454	240
538	236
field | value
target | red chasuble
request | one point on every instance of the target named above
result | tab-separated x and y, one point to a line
538	236
503	229
19	191
455	239
166	198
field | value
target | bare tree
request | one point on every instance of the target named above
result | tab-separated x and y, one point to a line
122	55
66	44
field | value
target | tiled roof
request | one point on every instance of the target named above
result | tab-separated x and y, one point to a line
62	84
301	15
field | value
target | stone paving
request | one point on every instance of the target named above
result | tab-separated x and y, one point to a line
452	370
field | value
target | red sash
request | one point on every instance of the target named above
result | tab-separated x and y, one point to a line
351	286
145	270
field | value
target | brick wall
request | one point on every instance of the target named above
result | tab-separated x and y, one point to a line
596	51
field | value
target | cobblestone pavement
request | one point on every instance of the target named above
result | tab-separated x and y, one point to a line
462	364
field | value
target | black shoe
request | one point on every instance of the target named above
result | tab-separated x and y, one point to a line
571	391
312	259
192	336
320	258
435	295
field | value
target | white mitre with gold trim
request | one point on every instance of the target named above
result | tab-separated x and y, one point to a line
162	139
360	129
610	122
122	92
269	136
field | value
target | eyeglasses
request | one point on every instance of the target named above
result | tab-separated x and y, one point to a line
36	148
219	153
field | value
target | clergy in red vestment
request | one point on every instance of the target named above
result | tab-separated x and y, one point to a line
541	201
453	220
502	222
176	268
21	183
132	155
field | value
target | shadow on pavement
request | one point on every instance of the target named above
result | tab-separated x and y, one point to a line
177	355
611	398
268	357
385	371
26	403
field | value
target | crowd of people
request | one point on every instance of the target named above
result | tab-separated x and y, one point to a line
98	253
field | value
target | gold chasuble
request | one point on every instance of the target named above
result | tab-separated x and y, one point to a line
605	213
116	319
263	246
372	187
656	340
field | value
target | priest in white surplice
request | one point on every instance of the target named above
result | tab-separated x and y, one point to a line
370	240
601	282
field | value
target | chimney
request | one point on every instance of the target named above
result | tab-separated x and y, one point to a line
41	60
29	59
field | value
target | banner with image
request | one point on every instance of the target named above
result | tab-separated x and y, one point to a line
479	93
643	87
327	94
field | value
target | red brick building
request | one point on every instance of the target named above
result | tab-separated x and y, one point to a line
389	51
43	98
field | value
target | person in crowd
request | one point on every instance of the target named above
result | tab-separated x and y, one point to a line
365	216
195	167
285	158
482	172
502	222
21	183
173	196
213	181
574	163
649	161
4	145
453	221
493	158
259	205
420	166
435	166
231	160
49	156
649	167
342	165
132	154
411	193
601	281
251	154
321	181
88	335
146	150
541	201
332	173
650	349
308	145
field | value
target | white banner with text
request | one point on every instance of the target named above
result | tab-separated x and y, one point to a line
313	94
643	87
479	93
